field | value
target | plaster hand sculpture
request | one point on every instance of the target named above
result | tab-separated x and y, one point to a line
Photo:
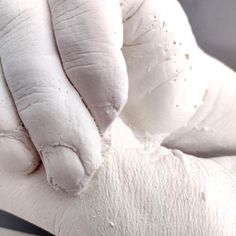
143	188
61	128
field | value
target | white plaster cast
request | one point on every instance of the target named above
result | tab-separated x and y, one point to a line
40	90
17	153
167	83
142	189
165	87
174	85
89	36
211	131
60	126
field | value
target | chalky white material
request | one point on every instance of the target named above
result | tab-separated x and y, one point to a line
142	189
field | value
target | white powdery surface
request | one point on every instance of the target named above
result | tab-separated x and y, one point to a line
142	189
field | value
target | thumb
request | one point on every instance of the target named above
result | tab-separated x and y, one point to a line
162	59
211	131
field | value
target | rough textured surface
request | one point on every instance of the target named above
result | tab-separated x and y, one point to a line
48	105
162	57
167	73
211	131
142	189
17	153
95	66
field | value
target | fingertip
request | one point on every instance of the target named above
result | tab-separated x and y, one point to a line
15	157
63	168
105	116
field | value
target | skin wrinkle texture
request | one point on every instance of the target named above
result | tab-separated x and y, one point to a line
17	154
178	88
95	66
140	187
174	97
181	107
211	131
192	89
60	127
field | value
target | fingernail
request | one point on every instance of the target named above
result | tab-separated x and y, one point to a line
63	167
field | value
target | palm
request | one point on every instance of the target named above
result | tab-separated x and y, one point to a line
138	191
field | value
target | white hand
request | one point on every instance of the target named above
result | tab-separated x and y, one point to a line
62	130
142	189
89	36
17	153
139	191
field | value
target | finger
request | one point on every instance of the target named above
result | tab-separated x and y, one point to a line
162	60
211	131
58	123
89	36
17	153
